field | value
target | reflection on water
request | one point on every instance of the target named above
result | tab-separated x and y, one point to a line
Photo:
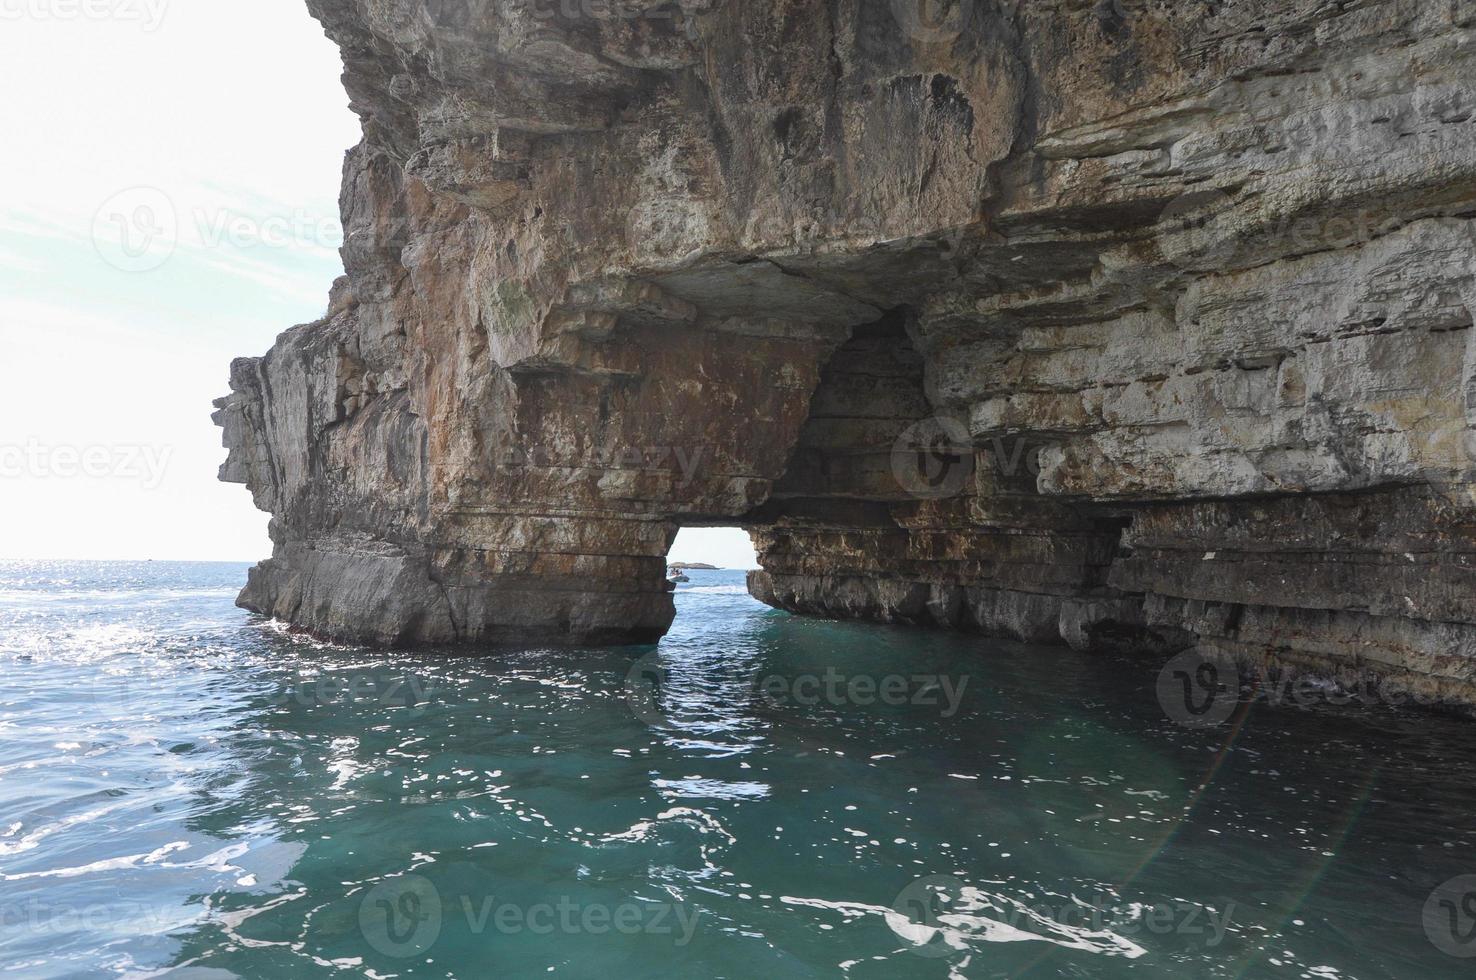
185	790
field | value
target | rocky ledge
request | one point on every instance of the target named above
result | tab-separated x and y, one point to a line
1115	323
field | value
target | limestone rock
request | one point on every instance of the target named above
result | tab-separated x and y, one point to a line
1136	324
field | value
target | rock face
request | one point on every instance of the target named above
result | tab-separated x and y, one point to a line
1109	322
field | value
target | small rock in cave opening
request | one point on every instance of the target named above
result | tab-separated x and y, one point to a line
720	547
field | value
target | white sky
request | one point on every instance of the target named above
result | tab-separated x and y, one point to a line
168	201
725	547
226	112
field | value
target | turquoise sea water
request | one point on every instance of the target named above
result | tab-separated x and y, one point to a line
189	791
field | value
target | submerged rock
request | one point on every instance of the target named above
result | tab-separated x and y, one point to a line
1129	324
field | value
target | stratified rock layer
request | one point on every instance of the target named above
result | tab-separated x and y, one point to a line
1132	324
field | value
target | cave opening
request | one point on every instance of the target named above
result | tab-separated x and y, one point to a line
725	548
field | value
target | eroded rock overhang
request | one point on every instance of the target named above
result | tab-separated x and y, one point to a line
1128	324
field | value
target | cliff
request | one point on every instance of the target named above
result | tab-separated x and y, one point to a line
1105	322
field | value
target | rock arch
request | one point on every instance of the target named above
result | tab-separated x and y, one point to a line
1193	288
